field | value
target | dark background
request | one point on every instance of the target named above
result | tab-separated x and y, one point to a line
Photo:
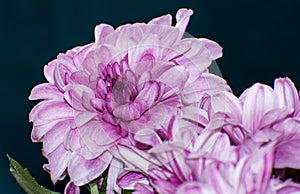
260	40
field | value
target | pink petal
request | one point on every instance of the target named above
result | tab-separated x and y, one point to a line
102	31
83	171
48	111
254	170
175	78
193	187
56	135
115	169
71	189
207	83
129	111
150	94
79	97
183	18
141	188
259	100
39	131
135	157
286	94
148	137
287	155
46	91
58	161
162	20
83	118
128	180
80	77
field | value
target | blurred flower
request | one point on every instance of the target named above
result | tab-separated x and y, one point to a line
125	87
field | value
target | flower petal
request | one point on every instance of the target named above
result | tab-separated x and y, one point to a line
46	91
259	100
83	171
162	20
101	31
287	155
286	95
71	189
48	111
183	18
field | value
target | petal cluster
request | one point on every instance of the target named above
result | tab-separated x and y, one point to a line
139	106
121	90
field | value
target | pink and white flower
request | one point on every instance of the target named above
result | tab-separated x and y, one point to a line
206	163
262	114
124	87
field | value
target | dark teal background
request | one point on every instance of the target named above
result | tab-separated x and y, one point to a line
260	40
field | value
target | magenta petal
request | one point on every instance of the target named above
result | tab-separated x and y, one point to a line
287	155
71	189
83	171
128	180
46	91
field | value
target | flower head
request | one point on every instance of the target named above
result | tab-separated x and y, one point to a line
263	114
124	87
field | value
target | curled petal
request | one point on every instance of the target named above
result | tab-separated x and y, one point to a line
71	189
48	111
129	179
183	18
46	91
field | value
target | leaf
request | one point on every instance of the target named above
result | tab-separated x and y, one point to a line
25	180
93	187
104	183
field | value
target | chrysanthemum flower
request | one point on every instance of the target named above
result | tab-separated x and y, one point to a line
124	87
263	114
207	163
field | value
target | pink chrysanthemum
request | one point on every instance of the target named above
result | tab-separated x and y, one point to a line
204	163
124	87
263	114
